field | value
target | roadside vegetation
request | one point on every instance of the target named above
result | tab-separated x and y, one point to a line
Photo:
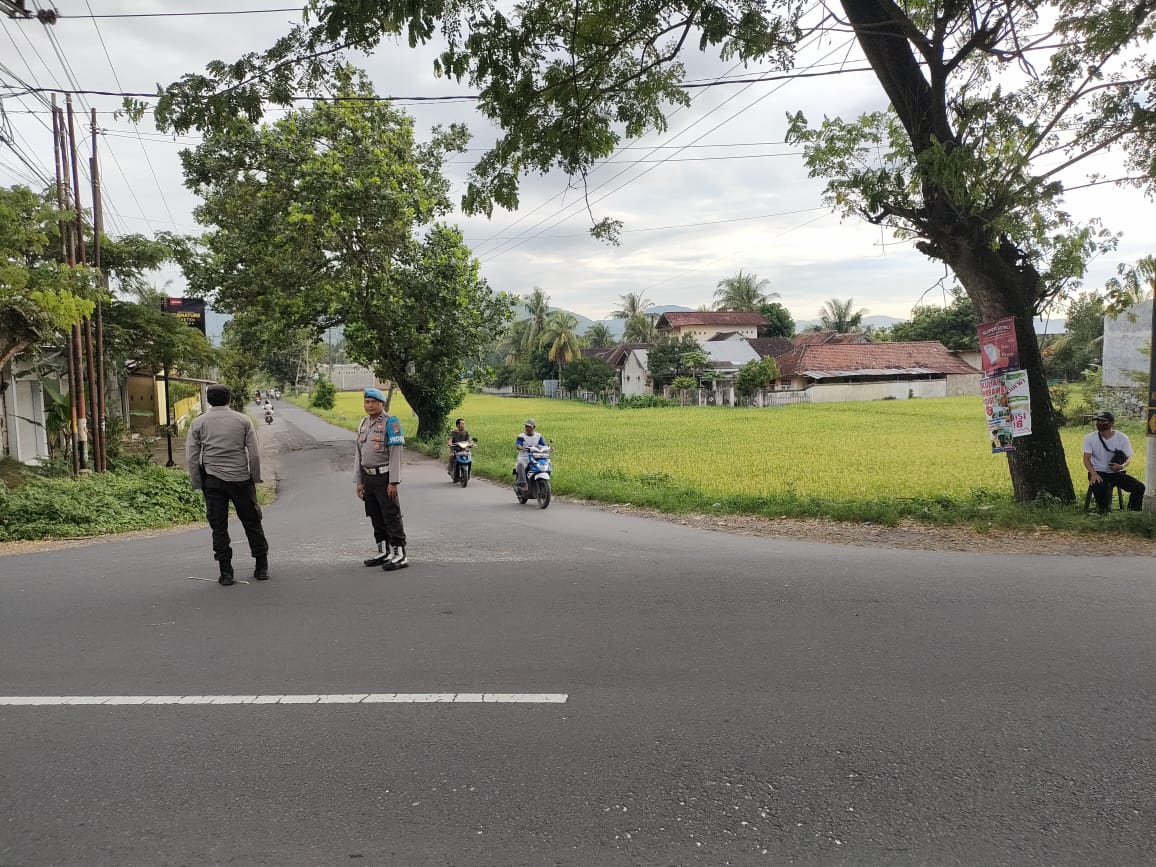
880	462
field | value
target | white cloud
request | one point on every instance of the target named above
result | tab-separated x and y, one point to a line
758	210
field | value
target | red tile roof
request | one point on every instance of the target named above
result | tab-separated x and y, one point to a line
828	359
713	318
808	338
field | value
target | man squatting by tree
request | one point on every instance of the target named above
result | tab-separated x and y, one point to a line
224	461
376	473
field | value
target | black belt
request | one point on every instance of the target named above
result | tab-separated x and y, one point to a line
375	471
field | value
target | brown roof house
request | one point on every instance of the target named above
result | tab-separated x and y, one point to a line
832	372
705	324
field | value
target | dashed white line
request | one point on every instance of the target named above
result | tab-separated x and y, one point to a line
353	698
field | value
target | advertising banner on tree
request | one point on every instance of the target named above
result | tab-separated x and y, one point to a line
191	311
1006	396
998	347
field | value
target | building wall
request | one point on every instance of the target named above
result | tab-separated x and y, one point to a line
351	377
841	392
635	379
143	405
702	333
963	385
1123	340
26	439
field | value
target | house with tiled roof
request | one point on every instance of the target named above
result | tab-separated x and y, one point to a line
704	325
810	338
832	372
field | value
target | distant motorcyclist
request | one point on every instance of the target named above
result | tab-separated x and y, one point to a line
525	440
458	435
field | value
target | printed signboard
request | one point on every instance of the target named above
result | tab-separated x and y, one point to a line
998	347
189	310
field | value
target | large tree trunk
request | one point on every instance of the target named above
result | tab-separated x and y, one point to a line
1001	284
430	409
998	278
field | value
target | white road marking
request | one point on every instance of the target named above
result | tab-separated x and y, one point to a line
353	698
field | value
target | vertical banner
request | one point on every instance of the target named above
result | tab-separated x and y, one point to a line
191	311
1006	396
998	346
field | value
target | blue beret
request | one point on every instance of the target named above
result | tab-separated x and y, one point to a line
375	393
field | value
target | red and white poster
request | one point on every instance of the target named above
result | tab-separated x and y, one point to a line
998	347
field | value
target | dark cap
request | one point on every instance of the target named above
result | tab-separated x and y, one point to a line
1105	416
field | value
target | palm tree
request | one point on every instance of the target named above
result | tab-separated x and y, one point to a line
537	304
560	339
840	316
633	304
743	293
1134	284
598	336
514	341
640	328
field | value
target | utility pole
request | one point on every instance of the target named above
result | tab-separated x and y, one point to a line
97	229
1150	416
83	331
66	250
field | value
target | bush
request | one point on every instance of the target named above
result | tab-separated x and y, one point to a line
324	394
130	499
645	401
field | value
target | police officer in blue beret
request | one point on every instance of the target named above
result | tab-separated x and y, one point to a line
376	473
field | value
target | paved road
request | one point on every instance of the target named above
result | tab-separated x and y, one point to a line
728	699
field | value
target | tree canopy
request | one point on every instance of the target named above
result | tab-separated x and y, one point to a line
329	216
954	325
744	293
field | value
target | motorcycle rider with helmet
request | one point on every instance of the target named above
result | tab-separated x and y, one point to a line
525	440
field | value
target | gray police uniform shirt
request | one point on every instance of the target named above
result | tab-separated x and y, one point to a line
225	443
377	446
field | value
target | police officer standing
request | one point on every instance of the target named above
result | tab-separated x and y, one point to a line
224	461
376	473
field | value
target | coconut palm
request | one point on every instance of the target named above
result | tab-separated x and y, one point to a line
840	316
598	336
743	293
559	338
640	328
633	304
514	341
537	304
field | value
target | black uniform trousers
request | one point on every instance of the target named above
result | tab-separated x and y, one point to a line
1102	491
243	495
384	513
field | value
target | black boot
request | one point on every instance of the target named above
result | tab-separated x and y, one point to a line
226	573
261	570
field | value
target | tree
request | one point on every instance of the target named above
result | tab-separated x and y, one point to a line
1080	348
744	293
1132	284
755	375
954	325
675	358
40	297
632	304
840	316
560	339
329	217
969	161
537	304
591	374
640	328
780	323
598	336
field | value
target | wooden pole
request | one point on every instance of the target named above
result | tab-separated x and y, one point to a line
61	157
78	256
97	230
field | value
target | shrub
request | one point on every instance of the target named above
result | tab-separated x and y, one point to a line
324	394
645	401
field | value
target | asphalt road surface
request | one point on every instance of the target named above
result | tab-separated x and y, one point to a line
568	686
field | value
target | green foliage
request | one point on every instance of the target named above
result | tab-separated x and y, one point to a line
591	374
40	297
954	325
128	499
674	358
324	394
743	293
755	375
1071	355
841	316
646	401
780	323
598	336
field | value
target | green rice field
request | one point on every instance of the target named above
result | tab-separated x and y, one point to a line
880	460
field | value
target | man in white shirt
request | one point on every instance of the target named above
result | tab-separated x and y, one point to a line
1106	454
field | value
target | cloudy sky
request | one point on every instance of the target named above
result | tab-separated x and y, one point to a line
718	192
